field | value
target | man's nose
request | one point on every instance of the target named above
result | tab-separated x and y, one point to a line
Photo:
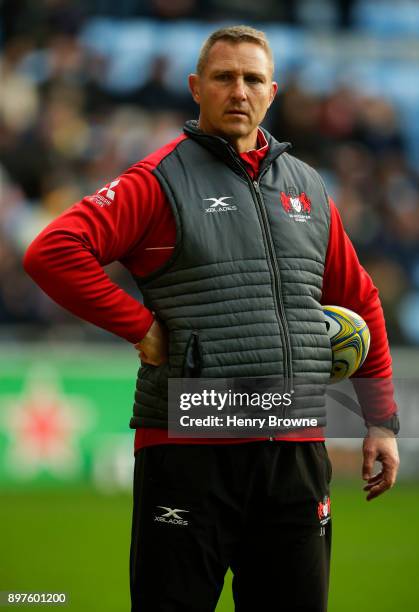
238	91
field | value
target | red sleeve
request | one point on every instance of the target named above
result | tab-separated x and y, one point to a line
346	283
116	223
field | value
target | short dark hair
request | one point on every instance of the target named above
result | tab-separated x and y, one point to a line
234	35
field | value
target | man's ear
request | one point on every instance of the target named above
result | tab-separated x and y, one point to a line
274	89
193	82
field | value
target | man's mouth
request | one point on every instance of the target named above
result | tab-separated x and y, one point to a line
237	112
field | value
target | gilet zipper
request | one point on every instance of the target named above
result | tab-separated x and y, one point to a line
274	269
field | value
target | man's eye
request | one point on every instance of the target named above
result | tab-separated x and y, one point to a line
222	77
253	79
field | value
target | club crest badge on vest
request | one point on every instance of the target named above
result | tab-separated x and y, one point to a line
323	510
296	205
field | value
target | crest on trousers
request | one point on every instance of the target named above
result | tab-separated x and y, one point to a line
323	510
296	205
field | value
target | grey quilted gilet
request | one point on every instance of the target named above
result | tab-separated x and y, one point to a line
241	294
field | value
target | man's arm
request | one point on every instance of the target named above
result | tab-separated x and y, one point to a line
347	284
66	260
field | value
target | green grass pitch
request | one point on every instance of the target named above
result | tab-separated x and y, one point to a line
77	541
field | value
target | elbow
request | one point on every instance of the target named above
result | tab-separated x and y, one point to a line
32	260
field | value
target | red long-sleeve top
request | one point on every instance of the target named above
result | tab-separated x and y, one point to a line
134	224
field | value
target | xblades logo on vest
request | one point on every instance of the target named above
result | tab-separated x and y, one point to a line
218	205
296	205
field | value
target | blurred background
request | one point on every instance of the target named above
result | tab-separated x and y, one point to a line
88	88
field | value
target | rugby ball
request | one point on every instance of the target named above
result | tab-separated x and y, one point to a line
350	340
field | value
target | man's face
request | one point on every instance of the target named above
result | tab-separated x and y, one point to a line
234	92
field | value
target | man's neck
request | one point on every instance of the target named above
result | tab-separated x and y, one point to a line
241	145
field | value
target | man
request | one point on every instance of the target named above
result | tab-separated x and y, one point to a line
233	283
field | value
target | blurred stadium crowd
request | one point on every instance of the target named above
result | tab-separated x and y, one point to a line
89	88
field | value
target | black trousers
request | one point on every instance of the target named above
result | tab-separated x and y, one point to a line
260	508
